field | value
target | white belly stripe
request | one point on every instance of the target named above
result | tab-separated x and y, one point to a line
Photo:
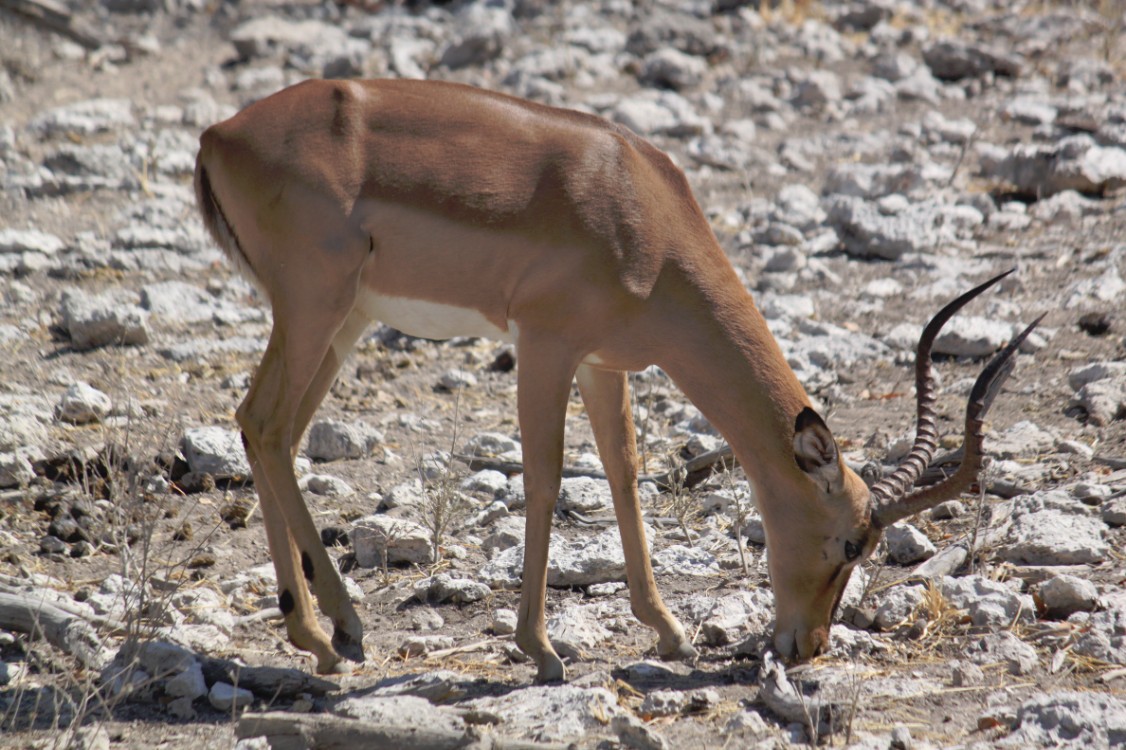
436	320
431	320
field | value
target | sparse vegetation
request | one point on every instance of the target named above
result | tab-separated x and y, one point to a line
444	506
680	502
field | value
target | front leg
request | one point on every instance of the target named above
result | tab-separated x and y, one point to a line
606	396
545	372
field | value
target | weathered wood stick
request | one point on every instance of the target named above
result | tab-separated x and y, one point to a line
1111	461
53	17
114	626
266	681
67	632
326	732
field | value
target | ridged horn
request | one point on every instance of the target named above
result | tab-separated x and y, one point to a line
892	498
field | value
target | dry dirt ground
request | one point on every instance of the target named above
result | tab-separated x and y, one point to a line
379	382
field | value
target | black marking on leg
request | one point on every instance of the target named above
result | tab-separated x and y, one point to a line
346	645
286	603
307	566
245	442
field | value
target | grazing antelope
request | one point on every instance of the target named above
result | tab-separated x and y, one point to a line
445	210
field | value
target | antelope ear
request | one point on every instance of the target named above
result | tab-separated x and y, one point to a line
815	450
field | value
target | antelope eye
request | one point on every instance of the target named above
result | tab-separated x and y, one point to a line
852	550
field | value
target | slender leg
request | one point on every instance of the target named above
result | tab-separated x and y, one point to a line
544	377
293	594
346	643
606	396
296	371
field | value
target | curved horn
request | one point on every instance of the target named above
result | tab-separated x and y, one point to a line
985	389
890	497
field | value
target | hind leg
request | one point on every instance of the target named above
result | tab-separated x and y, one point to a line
294	599
315	325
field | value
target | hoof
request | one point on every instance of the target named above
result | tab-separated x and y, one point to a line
348	647
332	664
551	670
682	651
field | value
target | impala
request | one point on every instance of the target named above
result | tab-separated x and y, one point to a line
445	210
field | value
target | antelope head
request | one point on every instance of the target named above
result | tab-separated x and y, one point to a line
812	562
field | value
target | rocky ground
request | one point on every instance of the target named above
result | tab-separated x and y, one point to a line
861	162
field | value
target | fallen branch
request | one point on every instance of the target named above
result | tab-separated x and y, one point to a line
1114	463
70	633
9	586
477	463
54	17
1112	675
269	613
265	681
466	649
328	732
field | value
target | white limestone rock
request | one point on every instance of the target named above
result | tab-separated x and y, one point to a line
1054	537
584	495
1023	440
652	112
1069	719
503	622
216	451
226	697
733	616
332	440
508	531
265	35
576	628
554	713
105	320
1005	647
989	604
487	481
189	683
668	67
896	605
85	118
972	336
577	562
83	404
325	485
679	560
18	241
1064	595
380	539
907	545
1077	163
447	588
493	445
866	231
399	711
483	32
